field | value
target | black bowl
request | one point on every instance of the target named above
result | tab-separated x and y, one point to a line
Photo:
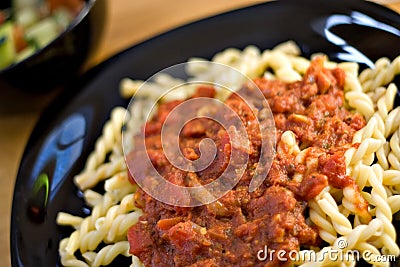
61	59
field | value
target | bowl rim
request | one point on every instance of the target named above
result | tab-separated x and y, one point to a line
74	23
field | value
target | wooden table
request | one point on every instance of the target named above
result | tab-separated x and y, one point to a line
19	111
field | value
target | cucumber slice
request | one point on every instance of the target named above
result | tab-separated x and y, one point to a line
42	32
26	17
27	52
7	48
63	17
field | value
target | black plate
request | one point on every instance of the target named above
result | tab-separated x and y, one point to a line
65	135
54	64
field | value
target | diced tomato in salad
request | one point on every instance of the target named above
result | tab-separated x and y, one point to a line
2	17
73	5
32	27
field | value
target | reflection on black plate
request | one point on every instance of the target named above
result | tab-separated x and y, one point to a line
344	30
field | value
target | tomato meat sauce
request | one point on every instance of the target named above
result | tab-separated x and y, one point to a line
234	229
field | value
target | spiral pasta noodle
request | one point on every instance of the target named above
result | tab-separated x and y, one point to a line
108	141
394	154
89	179
288	142
373	162
113	212
383	73
107	254
326	230
372	140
